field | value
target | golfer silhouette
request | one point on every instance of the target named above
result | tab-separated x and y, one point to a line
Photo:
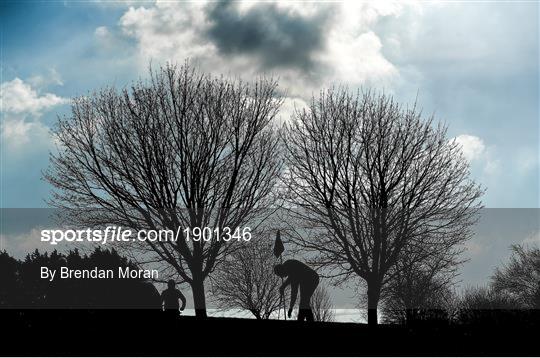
299	275
170	297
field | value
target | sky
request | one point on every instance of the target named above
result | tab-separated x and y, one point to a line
473	65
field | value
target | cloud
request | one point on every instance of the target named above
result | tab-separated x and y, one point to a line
368	67
20	244
477	153
277	36
167	31
19	97
101	31
52	78
307	45
20	137
21	130
289	107
472	147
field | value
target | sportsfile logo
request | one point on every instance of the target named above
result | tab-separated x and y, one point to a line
119	234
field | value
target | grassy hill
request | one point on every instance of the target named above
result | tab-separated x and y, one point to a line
144	333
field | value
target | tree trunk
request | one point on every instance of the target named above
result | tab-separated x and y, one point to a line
409	315
199	299
257	314
374	292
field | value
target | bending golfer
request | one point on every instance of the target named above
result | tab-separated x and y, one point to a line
298	275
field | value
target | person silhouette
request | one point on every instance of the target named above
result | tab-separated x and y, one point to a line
170	297
298	275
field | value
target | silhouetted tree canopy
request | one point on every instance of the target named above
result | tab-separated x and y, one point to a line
520	277
485	306
180	150
321	305
22	286
420	289
246	279
511	296
9	281
370	181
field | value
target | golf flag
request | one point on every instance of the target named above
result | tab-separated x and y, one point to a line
278	245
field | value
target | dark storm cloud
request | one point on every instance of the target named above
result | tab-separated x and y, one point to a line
279	37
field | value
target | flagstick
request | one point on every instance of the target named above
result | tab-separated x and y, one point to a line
278	252
283	296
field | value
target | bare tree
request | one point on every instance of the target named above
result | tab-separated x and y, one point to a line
246	279
485	298
520	277
180	150
321	304
419	290
420	286
371	179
